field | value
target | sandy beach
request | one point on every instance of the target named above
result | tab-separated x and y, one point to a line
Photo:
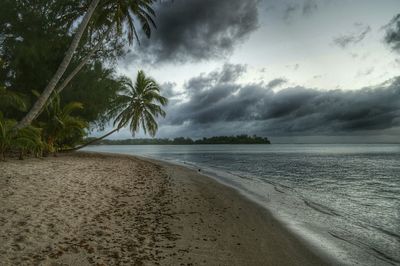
98	209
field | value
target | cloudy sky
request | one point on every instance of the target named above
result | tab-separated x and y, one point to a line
292	70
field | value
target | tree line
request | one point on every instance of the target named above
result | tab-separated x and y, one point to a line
57	78
240	139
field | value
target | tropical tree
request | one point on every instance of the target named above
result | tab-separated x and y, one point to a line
123	13
113	16
25	140
60	128
137	106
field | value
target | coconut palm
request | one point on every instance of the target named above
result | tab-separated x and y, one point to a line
123	13
137	106
116	14
61	127
26	139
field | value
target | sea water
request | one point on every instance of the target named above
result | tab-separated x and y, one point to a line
343	199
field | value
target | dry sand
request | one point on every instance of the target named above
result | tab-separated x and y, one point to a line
97	209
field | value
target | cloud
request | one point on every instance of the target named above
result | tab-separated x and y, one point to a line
307	8
276	83
198	30
290	10
294	67
216	104
355	37
168	89
365	72
392	36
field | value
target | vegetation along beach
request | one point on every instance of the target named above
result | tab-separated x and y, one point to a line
199	132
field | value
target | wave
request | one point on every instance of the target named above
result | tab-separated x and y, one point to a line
369	249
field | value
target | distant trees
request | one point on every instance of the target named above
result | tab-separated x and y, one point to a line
240	139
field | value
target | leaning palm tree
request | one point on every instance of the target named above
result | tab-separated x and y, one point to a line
114	15
137	106
124	13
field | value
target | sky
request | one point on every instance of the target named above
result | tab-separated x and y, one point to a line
293	71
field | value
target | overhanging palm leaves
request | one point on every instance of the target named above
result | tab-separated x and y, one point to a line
124	13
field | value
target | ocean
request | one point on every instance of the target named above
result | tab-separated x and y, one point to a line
341	199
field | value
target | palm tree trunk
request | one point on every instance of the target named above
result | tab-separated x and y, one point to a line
92	141
84	61
41	101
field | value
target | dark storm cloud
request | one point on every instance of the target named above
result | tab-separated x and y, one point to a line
276	83
192	30
214	102
168	91
353	38
392	36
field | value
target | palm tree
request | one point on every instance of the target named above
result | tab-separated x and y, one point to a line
61	128
125	15
124	12
26	139
138	106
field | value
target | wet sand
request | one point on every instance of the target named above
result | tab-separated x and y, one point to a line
98	209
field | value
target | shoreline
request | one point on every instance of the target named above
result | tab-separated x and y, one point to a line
179	217
321	253
324	241
310	240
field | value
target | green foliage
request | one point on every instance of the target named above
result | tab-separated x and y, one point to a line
241	139
96	88
124	13
138	105
5	135
29	140
34	36
10	99
60	128
24	140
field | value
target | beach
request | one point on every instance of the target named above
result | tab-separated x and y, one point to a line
97	209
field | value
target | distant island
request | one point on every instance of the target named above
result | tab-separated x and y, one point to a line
240	139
